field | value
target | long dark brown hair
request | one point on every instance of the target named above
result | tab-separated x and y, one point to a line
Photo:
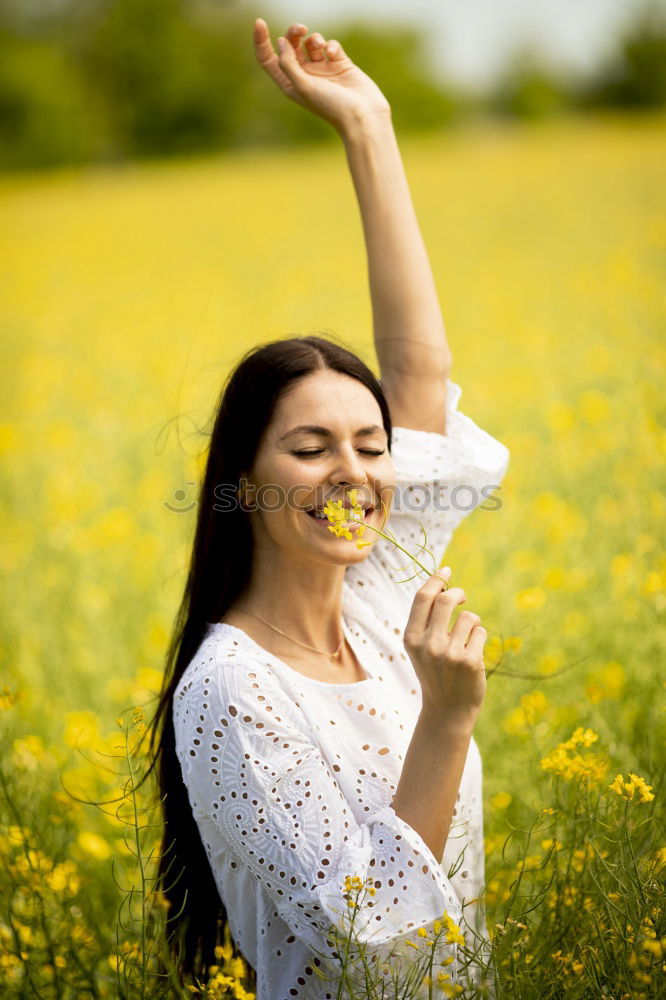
219	571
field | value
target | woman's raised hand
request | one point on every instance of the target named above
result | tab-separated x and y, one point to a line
318	75
449	665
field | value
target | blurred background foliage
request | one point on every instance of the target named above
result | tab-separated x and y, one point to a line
115	80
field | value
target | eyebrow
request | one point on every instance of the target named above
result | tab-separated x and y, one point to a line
325	432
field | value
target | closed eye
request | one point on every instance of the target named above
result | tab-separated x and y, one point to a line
318	451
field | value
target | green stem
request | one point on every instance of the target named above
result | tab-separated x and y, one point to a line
40	902
639	882
137	837
388	538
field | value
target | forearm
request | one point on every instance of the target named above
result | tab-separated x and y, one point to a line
428	788
407	319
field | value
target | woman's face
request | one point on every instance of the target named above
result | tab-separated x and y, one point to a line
326	437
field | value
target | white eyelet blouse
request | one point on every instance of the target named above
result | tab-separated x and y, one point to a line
291	779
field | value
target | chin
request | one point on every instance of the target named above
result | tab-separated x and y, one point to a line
344	553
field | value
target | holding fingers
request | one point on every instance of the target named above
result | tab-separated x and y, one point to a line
449	664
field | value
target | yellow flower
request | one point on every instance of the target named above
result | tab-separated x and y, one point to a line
94	845
340	517
237	967
81	730
353	882
530	599
586	737
340	531
9	698
626	789
454	935
138	715
560	762
334	511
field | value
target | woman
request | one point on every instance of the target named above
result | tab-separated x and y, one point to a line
318	710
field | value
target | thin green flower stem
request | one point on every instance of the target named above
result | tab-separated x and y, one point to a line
612	875
141	868
367	973
397	545
633	856
594	970
567	874
519	879
600	937
344	979
91	985
19	950
42	913
431	959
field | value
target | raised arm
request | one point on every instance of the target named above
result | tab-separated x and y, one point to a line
410	340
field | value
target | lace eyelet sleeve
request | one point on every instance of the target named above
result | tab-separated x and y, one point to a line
440	479
263	794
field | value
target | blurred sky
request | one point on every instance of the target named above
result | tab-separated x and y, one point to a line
469	38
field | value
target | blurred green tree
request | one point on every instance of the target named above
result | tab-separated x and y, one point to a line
634	75
123	79
170	85
45	116
528	86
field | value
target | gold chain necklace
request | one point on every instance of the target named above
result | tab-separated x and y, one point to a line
323	652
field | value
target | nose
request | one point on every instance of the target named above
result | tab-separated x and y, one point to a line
349	469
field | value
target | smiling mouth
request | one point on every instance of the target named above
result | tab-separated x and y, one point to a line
316	515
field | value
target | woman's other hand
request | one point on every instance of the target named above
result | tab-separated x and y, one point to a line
448	664
319	75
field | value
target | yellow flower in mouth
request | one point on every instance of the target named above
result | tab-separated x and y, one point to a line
341	516
339	530
335	512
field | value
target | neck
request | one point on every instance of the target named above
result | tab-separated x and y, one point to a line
304	600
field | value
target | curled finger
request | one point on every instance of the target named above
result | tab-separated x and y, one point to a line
290	65
295	34
476	641
443	605
315	45
422	603
461	631
334	50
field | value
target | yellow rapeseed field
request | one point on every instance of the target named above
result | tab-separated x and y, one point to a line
128	293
